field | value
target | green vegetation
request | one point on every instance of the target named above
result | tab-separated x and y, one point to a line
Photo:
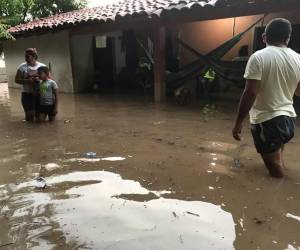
13	12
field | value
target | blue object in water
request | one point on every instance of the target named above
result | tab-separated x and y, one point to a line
90	154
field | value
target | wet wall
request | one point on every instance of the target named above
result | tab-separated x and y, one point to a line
52	48
82	60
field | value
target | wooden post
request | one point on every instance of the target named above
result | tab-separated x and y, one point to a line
159	64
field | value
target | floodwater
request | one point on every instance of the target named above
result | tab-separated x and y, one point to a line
164	177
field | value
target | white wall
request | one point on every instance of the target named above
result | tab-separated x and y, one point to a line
52	48
3	77
2	65
82	59
2	62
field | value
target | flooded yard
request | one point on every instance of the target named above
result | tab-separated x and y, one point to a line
163	177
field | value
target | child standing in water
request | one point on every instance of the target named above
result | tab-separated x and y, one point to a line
47	95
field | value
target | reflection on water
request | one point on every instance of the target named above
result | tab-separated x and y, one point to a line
88	209
187	186
4	95
95	159
4	100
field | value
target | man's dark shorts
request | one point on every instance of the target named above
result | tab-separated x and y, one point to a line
28	102
46	110
271	135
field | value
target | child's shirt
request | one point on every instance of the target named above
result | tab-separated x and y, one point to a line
46	90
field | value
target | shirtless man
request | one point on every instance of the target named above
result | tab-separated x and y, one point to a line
273	76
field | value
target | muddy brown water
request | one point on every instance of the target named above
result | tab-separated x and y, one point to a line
164	177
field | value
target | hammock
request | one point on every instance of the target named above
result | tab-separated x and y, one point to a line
205	62
228	70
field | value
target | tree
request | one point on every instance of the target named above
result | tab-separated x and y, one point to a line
44	8
13	12
4	34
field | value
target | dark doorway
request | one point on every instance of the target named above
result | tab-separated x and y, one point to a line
172	51
294	43
104	63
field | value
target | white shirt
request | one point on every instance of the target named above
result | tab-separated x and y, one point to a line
26	71
278	69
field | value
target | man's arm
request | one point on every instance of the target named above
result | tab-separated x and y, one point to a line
246	102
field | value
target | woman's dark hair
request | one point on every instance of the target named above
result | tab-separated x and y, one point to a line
244	51
278	30
32	52
43	69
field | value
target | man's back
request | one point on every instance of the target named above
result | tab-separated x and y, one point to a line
273	76
278	68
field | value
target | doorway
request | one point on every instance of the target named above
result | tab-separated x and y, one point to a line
104	63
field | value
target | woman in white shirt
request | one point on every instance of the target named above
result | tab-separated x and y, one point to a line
27	76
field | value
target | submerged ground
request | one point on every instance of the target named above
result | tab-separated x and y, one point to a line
165	177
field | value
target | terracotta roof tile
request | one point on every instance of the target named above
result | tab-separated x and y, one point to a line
122	9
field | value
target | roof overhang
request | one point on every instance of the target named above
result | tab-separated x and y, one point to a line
176	12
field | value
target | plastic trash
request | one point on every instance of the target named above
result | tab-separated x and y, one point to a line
237	163
91	154
40	182
51	166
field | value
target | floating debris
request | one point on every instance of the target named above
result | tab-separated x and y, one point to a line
96	159
91	154
84	159
288	215
190	213
237	163
40	182
175	215
258	221
51	166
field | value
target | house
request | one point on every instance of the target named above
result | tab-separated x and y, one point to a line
93	46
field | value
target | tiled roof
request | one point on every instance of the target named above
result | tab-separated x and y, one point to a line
124	9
